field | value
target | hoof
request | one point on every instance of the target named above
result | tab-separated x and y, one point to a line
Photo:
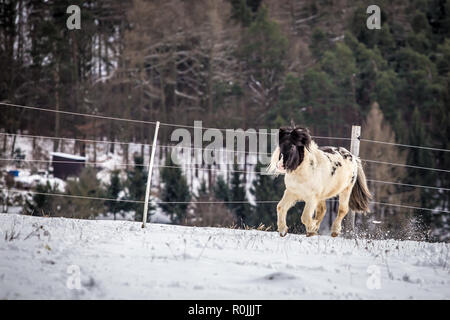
309	234
283	232
334	234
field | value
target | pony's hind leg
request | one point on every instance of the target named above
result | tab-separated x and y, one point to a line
283	206
344	198
307	218
320	213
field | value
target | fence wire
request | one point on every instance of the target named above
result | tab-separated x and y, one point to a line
200	168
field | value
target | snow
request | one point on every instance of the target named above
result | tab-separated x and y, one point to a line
27	179
120	260
156	215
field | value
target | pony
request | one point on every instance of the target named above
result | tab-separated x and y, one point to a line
314	174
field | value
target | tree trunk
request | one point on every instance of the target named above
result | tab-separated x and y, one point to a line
95	144
5	140
13	146
57	115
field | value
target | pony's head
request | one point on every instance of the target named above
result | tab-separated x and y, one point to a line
292	142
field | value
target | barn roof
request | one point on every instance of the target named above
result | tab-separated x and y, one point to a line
67	156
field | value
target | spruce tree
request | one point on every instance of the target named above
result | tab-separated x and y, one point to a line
40	204
175	189
203	191
265	188
241	12
420	157
80	205
112	192
221	190
238	197
137	182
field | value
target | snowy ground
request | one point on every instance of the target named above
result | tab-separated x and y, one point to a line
40	259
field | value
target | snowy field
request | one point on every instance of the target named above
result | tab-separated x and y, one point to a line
41	258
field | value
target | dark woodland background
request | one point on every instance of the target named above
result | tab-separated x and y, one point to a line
239	64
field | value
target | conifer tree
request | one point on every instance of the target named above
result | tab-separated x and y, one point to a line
238	197
80	205
241	12
137	182
221	190
112	192
266	188
174	189
40	204
427	198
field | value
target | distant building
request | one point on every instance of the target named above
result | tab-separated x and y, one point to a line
65	164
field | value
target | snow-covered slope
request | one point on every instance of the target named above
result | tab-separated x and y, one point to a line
41	257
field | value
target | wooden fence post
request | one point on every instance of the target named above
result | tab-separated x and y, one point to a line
149	176
349	221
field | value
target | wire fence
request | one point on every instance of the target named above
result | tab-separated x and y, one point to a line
204	128
206	202
196	167
404	145
208	149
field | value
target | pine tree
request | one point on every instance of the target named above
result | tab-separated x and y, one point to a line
221	190
238	197
41	204
86	185
175	189
263	48
241	12
203	190
266	188
319	42
112	192
137	182
419	157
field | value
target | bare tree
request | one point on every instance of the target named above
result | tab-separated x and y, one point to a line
376	128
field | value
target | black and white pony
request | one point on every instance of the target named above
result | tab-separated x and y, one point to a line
314	174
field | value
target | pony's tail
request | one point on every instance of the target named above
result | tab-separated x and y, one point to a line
272	168
360	196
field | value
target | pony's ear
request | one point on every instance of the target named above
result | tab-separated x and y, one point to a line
302	137
283	132
306	130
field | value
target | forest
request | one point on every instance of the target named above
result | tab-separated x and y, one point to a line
233	64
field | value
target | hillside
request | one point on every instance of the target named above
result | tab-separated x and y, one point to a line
119	260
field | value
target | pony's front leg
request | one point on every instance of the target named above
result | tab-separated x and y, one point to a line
283	206
312	227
